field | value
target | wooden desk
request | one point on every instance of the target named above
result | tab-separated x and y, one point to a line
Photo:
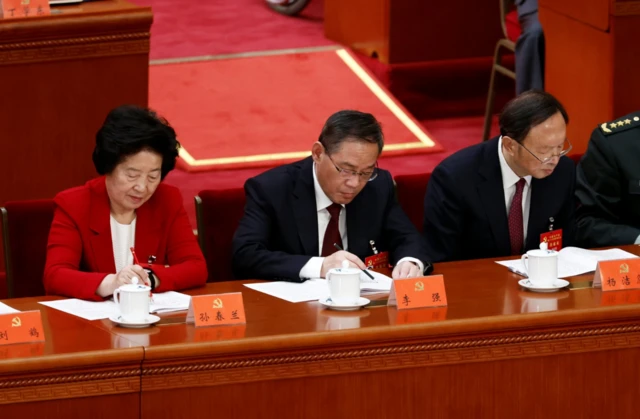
80	371
60	75
486	355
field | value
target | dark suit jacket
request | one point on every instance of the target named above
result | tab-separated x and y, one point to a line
278	233
80	249
465	213
608	185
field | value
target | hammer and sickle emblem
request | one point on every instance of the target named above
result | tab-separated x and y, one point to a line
419	286
217	303
624	268
16	322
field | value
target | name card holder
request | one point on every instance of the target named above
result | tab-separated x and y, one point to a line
426	291
21	327
14	9
615	275
216	310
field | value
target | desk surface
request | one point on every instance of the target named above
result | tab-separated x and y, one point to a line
483	297
287	354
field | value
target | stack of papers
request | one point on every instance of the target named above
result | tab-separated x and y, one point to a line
91	310
317	288
5	309
574	261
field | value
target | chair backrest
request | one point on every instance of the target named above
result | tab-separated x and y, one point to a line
25	233
218	214
410	190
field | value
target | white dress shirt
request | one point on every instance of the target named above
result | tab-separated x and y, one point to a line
509	180
123	237
313	267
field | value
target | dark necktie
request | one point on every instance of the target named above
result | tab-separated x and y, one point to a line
516	226
332	233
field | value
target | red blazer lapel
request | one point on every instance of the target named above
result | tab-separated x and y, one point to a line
99	223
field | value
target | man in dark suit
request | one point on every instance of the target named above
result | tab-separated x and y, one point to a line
529	48
496	198
608	185
296	213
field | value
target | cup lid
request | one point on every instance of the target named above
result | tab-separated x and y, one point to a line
344	271
542	253
135	288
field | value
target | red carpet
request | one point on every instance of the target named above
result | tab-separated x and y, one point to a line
267	110
214	27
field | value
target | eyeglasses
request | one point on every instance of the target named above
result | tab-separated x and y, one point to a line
364	176
566	148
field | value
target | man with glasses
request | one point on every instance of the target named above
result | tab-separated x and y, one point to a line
608	185
298	215
506	195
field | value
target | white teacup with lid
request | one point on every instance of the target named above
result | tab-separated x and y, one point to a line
132	301
344	285
541	266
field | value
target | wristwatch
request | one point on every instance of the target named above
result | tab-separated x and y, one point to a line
428	268
153	279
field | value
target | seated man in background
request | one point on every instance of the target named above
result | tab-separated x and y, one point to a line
296	214
529	48
608	185
498	197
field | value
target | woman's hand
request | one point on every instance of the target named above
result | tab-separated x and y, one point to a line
113	281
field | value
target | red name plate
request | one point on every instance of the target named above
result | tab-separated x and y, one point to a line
216	310
379	261
614	275
14	9
553	239
21	327
426	291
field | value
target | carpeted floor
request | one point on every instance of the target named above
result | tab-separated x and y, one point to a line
263	111
216	27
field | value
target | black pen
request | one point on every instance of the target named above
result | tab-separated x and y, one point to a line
337	246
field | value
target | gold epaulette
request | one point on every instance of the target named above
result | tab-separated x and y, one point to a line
620	125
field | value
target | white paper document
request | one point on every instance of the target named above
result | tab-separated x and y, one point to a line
314	289
574	261
97	310
5	309
169	301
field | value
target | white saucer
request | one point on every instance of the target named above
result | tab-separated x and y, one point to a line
333	306
151	319
557	284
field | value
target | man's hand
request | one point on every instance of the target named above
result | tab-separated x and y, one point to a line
406	269
335	261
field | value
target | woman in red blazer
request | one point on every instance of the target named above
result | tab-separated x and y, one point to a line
96	225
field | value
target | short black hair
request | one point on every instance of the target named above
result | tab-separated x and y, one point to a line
129	129
348	124
527	110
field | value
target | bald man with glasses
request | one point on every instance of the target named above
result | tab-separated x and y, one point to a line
298	216
506	195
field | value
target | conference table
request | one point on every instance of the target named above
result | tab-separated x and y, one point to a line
495	351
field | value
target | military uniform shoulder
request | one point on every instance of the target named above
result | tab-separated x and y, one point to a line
621	124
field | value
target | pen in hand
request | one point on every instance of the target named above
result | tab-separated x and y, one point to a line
137	262
337	246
